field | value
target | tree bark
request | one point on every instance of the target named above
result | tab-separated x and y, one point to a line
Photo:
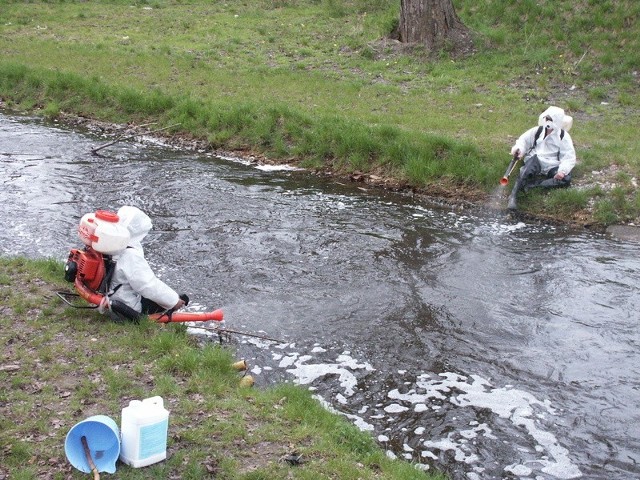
434	24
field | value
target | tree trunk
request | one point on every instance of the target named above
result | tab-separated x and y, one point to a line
434	24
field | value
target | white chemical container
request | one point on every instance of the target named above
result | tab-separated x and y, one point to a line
87	227
109	236
144	427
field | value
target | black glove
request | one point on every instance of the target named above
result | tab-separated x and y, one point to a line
185	299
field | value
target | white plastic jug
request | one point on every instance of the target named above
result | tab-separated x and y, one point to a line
109	237
144	427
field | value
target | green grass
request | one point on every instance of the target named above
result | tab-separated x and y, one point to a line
68	364
316	81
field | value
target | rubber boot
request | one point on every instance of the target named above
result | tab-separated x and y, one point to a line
513	204
552	183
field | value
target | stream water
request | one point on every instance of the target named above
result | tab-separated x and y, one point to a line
467	341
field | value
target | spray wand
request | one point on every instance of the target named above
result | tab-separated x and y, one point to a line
512	164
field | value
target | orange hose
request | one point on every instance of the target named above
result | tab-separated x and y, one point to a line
216	315
86	293
95	299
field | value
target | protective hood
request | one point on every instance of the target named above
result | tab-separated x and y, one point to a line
137	222
560	120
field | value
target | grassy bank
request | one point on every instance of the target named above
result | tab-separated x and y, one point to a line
61	365
317	82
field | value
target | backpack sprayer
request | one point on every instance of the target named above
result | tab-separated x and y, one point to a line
90	270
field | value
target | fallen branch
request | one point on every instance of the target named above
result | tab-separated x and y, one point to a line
581	58
129	137
221	331
11	154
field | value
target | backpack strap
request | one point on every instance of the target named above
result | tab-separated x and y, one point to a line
109	267
537	135
539	131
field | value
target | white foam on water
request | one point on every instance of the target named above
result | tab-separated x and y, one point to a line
501	228
288	360
433	393
306	374
428	454
518	470
278	168
512	404
358	421
395	408
266	344
517	406
450	443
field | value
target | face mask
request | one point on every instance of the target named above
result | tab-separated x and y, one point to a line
548	124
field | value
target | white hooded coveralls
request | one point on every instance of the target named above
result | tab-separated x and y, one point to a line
132	272
552	151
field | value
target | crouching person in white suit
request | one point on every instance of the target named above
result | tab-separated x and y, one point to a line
133	282
548	153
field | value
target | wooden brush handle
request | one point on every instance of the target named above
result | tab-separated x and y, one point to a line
87	452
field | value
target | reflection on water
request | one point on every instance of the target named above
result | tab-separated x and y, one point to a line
464	341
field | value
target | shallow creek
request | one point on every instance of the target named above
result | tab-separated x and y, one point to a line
466	341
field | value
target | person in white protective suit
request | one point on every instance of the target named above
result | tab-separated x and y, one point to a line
133	282
548	152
